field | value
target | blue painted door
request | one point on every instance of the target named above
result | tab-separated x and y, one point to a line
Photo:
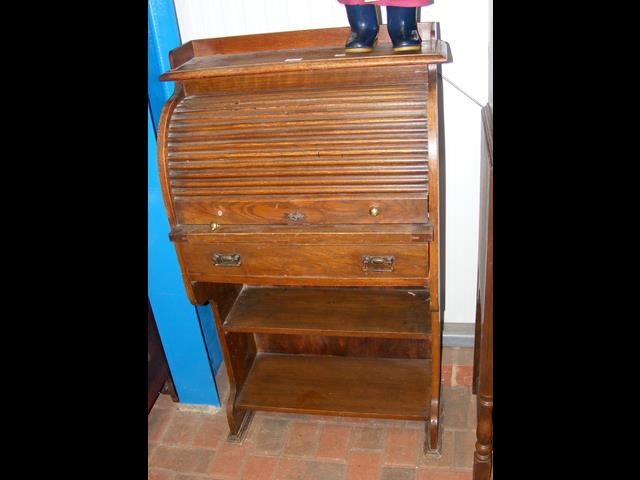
187	333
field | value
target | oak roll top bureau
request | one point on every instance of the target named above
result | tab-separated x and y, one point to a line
302	189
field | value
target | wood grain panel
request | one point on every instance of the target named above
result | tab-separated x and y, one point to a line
349	79
343	346
317	209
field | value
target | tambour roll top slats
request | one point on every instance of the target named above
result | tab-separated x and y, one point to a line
243	153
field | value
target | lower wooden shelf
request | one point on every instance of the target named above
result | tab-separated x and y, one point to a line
343	312
390	388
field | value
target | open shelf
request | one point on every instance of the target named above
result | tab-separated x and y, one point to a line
347	386
343	312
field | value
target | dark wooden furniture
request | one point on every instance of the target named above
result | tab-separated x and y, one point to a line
302	189
158	374
483	358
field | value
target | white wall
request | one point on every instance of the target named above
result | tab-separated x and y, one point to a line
465	25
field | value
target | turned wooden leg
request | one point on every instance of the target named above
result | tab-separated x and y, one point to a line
482	457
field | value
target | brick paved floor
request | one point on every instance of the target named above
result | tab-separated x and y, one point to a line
190	445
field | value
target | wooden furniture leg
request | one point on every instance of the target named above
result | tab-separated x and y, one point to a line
170	389
476	347
434	433
159	375
482	457
238	351
483	359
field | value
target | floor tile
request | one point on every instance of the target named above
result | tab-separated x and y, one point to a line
183	428
398	473
455	402
181	459
364	466
268	435
259	468
334	441
401	447
367	438
303	439
229	460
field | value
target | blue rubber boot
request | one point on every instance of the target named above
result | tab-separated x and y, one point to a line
402	23
364	28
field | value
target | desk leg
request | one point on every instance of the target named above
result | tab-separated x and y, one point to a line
239	352
434	434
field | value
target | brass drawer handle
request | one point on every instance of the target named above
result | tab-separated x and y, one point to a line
226	259
378	264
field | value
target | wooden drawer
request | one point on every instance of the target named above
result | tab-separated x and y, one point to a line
306	264
310	211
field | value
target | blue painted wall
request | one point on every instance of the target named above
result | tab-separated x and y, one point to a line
210	335
163	36
188	334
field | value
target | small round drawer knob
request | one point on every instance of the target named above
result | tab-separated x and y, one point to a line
373	211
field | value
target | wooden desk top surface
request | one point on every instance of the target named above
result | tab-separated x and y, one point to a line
291	51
